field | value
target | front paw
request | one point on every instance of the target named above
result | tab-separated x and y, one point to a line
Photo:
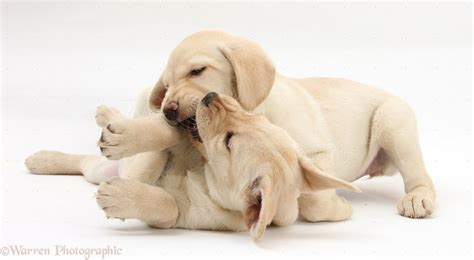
418	203
104	115
118	198
116	141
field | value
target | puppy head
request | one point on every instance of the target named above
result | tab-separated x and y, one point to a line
254	166
211	61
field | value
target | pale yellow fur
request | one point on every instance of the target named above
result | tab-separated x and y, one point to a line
341	125
217	194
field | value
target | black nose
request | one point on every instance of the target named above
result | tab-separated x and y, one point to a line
208	98
171	111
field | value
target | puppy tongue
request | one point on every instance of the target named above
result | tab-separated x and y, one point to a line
189	124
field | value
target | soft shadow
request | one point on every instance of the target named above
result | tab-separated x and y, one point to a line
281	237
381	190
140	229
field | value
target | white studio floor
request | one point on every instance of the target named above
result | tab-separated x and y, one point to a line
61	61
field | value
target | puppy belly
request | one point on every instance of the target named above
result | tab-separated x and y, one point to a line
381	165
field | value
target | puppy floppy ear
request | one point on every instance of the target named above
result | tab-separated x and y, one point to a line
254	71
157	95
316	179
261	206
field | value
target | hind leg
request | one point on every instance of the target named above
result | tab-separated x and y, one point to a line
394	127
130	199
94	168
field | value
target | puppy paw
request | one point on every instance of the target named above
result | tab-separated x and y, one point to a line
48	162
116	141
417	204
119	198
130	199
117	138
105	115
324	206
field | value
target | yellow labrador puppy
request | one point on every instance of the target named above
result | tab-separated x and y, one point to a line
227	194
344	127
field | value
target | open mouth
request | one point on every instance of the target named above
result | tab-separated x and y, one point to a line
189	124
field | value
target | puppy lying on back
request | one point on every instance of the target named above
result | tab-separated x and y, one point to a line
253	176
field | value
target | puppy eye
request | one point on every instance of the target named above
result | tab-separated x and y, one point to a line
227	140
197	72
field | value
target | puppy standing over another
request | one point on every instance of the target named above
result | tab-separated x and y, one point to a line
228	195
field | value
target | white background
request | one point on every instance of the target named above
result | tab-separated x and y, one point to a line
61	60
